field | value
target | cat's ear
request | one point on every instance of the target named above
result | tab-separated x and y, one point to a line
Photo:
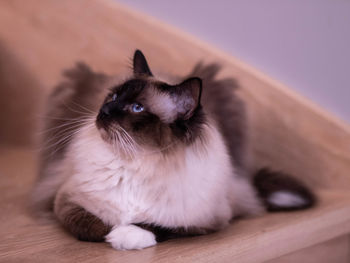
188	96
140	64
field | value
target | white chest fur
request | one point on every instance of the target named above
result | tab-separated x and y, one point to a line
192	188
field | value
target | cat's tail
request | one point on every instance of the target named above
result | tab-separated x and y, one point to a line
281	192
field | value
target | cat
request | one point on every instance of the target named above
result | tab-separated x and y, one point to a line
139	161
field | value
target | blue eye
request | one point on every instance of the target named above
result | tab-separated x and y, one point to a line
137	107
114	97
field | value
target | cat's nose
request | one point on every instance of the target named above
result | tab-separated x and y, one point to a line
105	110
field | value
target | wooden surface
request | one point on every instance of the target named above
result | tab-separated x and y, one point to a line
249	240
40	38
336	250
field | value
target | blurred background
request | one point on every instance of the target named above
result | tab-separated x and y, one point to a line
303	44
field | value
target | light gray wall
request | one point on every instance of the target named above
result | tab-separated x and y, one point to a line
304	44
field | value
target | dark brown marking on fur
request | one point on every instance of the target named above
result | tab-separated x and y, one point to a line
163	233
140	65
221	102
146	127
186	95
85	226
190	130
81	223
73	99
268	182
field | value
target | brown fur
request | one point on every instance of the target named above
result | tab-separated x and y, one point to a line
163	234
79	222
220	101
71	100
267	182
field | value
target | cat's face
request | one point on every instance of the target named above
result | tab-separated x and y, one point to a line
144	113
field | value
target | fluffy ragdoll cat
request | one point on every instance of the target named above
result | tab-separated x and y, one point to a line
140	161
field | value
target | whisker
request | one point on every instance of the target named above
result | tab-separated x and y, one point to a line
64	141
57	142
160	150
66	138
73	123
126	143
83	108
64	132
131	142
74	110
71	127
67	119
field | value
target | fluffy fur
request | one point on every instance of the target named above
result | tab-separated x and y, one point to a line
135	178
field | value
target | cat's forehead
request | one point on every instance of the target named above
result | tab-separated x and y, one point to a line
131	87
138	86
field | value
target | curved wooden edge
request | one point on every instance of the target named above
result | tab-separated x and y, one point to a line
319	133
236	62
287	131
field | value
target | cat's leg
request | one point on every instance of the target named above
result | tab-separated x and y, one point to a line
82	224
140	236
128	237
166	233
87	227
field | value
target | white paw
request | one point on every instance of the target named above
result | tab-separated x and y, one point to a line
130	237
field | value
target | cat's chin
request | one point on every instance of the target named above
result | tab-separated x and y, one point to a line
118	148
104	134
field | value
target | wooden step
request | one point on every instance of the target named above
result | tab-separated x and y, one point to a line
39	38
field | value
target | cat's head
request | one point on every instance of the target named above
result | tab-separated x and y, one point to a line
145	113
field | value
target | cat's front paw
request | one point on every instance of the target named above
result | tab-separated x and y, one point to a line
130	237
